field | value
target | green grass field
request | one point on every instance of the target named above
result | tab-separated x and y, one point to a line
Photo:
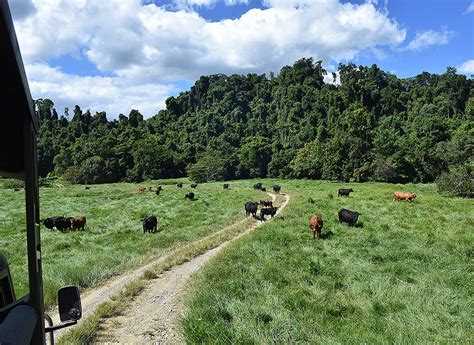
113	239
405	276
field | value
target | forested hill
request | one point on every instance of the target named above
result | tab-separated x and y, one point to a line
373	126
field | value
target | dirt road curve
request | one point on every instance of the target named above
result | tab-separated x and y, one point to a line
154	315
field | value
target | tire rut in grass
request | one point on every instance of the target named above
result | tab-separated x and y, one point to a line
154	315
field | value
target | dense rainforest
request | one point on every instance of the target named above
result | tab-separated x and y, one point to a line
370	125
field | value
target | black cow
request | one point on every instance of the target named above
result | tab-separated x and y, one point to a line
251	208
87	187
276	188
157	191
344	192
179	185
62	223
189	195
347	216
263	189
269	211
194	185
150	224
257	185
226	186
49	223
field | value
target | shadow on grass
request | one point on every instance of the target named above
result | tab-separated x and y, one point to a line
326	235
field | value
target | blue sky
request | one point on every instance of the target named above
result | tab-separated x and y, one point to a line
124	54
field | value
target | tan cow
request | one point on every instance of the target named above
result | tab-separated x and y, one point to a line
403	196
316	224
142	189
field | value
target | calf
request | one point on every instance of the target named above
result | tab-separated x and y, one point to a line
347	216
276	188
78	223
251	208
150	224
270	211
142	189
316	224
403	196
344	192
257	185
266	203
194	185
226	186
189	195
179	185
158	191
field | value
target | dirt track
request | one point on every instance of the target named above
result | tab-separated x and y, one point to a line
153	317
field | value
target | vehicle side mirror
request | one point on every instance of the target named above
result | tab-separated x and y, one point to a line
69	304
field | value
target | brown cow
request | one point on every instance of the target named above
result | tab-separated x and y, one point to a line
78	223
266	203
403	196
316	224
142	189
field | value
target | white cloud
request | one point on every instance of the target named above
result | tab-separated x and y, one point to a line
470	8
467	67
145	44
429	38
113	94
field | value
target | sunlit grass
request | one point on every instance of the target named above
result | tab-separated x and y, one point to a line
113	239
405	276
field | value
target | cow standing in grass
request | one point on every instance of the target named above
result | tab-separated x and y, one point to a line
276	189
150	224
403	196
269	211
251	208
344	192
226	186
194	185
266	203
189	196
347	216
78	223
179	185
142	189
316	225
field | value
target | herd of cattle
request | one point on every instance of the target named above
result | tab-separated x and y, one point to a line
150	223
348	216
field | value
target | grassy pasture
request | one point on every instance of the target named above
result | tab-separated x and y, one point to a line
405	276
113	239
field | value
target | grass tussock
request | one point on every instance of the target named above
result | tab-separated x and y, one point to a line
404	276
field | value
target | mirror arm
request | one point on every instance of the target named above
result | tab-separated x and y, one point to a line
61	325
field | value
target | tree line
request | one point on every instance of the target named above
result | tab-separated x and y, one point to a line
371	125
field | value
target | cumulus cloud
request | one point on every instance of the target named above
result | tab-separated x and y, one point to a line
112	94
429	38
467	68
140	43
22	8
470	8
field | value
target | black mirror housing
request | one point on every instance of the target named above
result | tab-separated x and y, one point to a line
69	304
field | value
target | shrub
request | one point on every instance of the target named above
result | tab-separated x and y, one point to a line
459	181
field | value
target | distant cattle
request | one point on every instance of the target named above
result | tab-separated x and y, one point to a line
50	222
16	189
251	208
403	196
270	211
347	216
266	203
179	185
142	189
78	223
150	189
87	187
150	224
263	189
158	191
257	185
344	192
159	188
189	196
194	185
226	186
316	224
276	188
62	223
